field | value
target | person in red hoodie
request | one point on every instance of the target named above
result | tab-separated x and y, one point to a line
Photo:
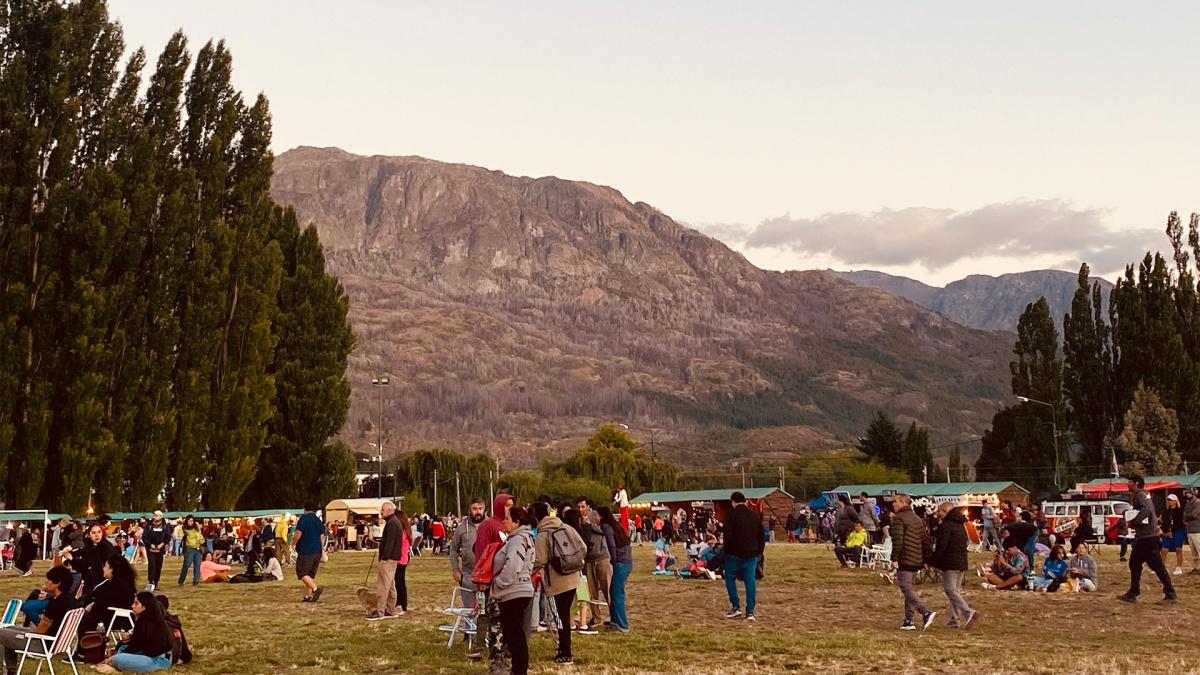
488	532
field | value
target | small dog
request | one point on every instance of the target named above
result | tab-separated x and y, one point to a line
368	598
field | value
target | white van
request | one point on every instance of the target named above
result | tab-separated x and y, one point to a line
1061	515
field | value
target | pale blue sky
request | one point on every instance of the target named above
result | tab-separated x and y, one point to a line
803	134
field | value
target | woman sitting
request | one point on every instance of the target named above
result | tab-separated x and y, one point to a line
271	569
1082	568
212	572
1007	569
149	646
1054	571
115	591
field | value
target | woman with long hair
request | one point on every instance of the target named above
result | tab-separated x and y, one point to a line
193	542
402	566
512	585
115	591
150	646
621	556
90	560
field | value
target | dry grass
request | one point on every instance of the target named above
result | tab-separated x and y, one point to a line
811	617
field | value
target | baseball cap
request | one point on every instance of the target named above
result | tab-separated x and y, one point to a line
157	513
1172	498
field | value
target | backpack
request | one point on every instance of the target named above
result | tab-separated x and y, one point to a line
180	653
482	574
566	554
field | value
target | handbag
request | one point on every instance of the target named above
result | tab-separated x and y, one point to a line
482	575
92	647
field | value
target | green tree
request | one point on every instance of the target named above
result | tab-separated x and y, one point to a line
883	441
954	465
1149	442
1088	371
915	456
1037	375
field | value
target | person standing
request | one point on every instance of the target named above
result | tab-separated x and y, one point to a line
462	548
870	521
512	585
156	536
308	542
621	501
559	579
402	564
743	544
950	556
1174	532
598	569
390	543
621	556
1191	519
1146	544
910	550
987	540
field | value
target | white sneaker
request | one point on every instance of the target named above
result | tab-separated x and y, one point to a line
988	587
1178	571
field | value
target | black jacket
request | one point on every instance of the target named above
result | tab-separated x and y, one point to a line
391	545
950	550
89	562
156	535
743	533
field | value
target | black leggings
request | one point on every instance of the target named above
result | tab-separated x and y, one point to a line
513	614
401	589
562	604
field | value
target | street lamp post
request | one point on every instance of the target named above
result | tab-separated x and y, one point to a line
1054	428
653	455
380	382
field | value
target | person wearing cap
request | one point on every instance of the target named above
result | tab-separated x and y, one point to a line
1146	544
156	537
744	542
1174	532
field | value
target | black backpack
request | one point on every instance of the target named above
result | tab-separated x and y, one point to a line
566	554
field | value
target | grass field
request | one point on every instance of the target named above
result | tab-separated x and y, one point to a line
812	617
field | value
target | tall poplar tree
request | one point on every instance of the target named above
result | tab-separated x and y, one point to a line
1088	372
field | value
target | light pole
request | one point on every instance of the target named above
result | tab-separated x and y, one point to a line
380	382
653	455
1054	428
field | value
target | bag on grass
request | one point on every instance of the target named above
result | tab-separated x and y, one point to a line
92	647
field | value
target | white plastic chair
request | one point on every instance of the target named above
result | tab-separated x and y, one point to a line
47	646
464	615
10	613
124	616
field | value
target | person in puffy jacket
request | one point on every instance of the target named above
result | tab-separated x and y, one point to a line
910	550
950	556
512	585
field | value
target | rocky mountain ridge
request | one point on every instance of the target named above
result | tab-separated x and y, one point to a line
515	314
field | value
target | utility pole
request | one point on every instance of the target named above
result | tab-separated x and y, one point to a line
947	472
457	496
435	509
743	476
381	382
924	473
781	478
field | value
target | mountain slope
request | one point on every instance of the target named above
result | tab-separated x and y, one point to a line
511	312
981	301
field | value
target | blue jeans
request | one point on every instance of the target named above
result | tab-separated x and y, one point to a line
139	663
616	594
191	556
736	568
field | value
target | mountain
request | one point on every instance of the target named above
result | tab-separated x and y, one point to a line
515	314
981	301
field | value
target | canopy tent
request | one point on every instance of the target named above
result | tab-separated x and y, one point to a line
340	509
1123	486
31	516
201	515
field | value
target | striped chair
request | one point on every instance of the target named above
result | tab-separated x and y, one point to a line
10	613
44	647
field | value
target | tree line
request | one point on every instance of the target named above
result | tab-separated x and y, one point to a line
1125	386
168	334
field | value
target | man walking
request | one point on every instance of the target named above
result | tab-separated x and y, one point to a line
743	544
391	542
308	542
950	556
1146	544
462	549
910	551
156	538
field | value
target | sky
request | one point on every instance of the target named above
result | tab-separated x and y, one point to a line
933	140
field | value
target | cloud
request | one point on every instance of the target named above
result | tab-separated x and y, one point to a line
936	238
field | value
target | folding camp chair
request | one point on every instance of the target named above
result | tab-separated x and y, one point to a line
10	613
121	622
44	647
465	609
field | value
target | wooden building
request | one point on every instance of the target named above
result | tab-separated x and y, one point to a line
771	502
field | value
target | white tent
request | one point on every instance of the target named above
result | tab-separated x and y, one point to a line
340	509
